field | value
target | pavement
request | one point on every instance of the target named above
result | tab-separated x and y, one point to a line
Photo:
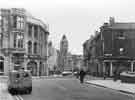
128	88
4	95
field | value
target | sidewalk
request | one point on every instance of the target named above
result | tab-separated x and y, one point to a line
4	95
116	85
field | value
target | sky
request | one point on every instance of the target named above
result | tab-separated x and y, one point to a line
77	19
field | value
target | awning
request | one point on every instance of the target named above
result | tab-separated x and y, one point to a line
120	58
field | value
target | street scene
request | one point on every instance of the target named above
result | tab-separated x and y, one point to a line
67	50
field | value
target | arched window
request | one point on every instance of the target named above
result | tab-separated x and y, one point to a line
30	47
35	47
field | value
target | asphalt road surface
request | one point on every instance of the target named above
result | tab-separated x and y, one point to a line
70	89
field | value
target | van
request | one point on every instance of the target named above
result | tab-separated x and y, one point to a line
20	82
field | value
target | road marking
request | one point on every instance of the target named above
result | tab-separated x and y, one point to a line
18	97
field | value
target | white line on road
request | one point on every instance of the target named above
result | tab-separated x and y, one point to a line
18	97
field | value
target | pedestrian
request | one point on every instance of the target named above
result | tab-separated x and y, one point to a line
115	75
104	75
82	75
77	74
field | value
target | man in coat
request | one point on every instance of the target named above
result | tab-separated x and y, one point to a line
82	75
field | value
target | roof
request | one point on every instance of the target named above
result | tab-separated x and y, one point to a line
37	22
122	26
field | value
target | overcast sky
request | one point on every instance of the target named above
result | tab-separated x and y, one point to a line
77	19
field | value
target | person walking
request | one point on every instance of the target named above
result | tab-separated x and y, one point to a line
82	75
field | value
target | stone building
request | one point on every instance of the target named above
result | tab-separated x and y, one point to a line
114	48
52	58
77	62
23	42
63	53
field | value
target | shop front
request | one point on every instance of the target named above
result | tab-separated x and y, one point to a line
110	65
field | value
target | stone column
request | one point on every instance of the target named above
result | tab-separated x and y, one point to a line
111	66
132	66
38	68
103	67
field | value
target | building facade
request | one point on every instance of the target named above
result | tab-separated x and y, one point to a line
23	42
77	62
63	53
114	48
52	58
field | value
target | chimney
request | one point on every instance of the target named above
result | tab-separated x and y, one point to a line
111	20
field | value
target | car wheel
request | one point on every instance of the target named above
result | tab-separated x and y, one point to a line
30	90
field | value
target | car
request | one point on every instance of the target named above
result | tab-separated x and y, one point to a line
65	73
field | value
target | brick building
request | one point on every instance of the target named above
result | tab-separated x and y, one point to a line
114	47
23	42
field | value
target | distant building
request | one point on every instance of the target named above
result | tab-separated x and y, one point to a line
77	62
23	42
112	49
52	58
63	53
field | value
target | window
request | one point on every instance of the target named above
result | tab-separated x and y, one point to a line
17	75
25	75
14	21
15	36
18	40
30	47
18	22
121	35
30	30
35	47
35	31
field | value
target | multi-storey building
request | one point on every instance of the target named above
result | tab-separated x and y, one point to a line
23	42
91	50
63	53
115	47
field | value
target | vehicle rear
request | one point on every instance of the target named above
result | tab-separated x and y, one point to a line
27	81
20	82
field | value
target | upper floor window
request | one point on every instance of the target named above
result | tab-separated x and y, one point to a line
18	22
121	35
35	31
18	40
35	48
30	30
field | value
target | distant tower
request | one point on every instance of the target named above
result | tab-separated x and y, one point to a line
63	52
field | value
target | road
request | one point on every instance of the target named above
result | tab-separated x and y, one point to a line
70	89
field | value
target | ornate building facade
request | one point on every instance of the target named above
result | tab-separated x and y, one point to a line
23	42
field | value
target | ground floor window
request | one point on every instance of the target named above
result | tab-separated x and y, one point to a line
32	66
1	66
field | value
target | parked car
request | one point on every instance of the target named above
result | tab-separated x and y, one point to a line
127	76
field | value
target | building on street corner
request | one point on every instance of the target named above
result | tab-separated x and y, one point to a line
111	49
23	42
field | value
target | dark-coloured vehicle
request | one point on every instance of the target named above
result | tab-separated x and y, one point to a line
20	82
